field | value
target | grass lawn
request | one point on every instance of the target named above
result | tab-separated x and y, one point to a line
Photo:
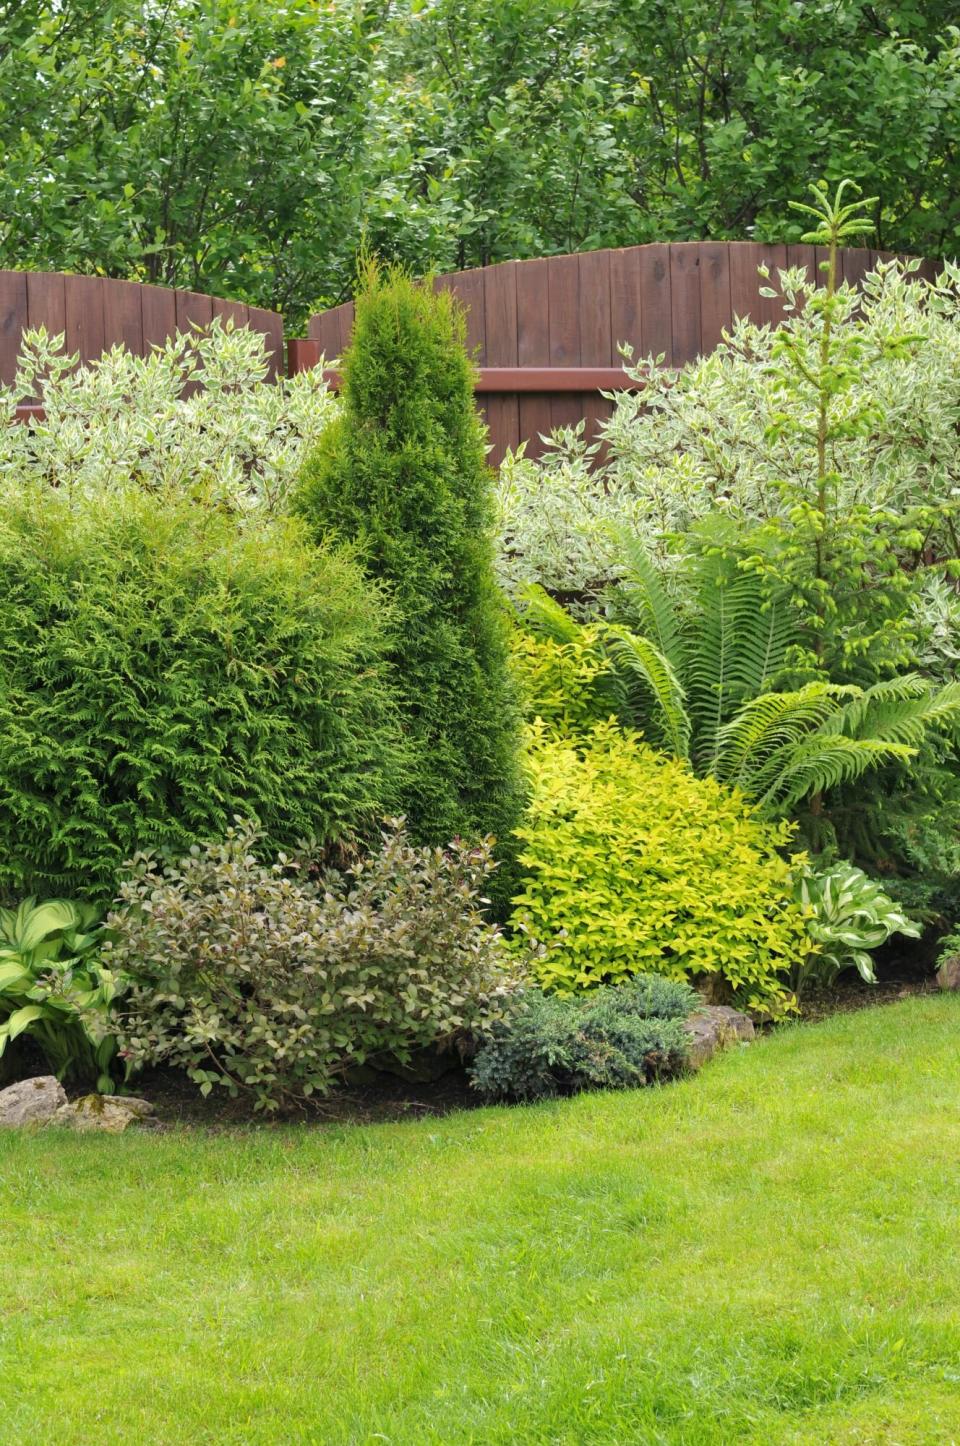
767	1253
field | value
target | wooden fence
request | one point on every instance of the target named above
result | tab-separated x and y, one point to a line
545	333
96	312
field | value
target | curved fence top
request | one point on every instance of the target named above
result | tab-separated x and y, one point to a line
568	315
95	313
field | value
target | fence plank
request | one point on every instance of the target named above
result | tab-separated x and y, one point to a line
595	332
270	326
533	346
13	321
158	312
714	295
685	301
564	325
502	410
745	298
123	316
775	258
856	263
655	309
625	304
83	310
236	311
47	302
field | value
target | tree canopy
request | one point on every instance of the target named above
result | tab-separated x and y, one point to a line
247	149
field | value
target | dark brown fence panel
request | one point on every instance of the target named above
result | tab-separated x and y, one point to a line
564	315
95	313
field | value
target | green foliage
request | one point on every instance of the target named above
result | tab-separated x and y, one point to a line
703	692
273	981
401	474
124	420
612	1038
632	865
162	666
949	947
54	989
848	915
242	148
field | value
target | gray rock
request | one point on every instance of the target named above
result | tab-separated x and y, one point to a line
713	1027
31	1101
948	975
109	1113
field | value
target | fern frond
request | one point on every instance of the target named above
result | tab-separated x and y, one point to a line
751	746
542	615
901	710
822	761
647	599
742	636
639	660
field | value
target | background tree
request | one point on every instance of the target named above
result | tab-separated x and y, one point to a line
244	148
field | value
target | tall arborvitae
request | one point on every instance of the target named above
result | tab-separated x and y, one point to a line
402	473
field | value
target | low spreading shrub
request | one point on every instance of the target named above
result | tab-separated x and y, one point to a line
164	667
632	865
269	981
613	1038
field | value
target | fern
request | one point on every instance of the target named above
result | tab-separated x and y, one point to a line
752	746
641	660
545	617
652	610
823	761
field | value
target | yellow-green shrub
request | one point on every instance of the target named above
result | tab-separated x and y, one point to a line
632	865
569	686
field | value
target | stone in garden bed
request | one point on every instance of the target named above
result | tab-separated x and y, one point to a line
948	975
714	1026
109	1113
31	1102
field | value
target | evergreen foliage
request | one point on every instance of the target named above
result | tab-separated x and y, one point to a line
401	473
164	668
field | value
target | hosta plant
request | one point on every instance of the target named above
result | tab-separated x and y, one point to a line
54	988
848	915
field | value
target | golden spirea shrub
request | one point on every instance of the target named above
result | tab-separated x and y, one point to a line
632	866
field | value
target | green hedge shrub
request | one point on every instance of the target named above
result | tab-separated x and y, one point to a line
274	980
163	669
613	1038
633	865
402	473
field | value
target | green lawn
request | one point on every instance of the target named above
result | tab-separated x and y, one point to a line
767	1253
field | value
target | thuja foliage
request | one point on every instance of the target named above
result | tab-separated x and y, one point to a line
161	669
633	865
401	474
272	980
612	1038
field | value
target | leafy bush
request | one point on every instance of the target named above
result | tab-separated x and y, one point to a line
163	667
54	989
847	915
632	865
270	981
613	1038
124	419
698	682
402	474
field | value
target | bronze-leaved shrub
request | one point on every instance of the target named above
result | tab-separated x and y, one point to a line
632	865
272	981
